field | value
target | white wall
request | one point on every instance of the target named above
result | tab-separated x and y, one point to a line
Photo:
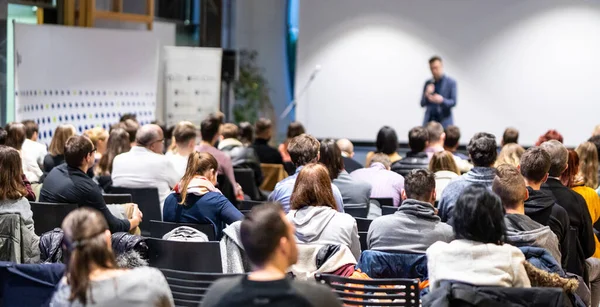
528	64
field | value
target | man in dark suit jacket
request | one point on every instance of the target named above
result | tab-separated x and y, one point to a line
266	154
347	149
439	95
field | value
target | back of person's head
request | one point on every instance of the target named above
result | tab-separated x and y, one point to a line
452	137
118	143
509	186
548	136
31	129
218	116
87	239
295	129
418	138
510	154
184	133
381	158
312	188
263	128
479	216
59	139
246	135
346	147
596	141
331	157
303	149
199	164
387	140
266	233
419	184
535	164
96	134
558	157
15	135
511	135
435	131
588	164
77	149
230	131
483	149
131	126
11	181
3	136
148	135
568	177
443	161
128	116
209	129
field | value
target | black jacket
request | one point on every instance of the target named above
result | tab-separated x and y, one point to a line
581	224
542	208
245	157
266	154
350	165
51	246
413	160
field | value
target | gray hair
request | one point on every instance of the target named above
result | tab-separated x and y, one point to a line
147	134
381	158
559	157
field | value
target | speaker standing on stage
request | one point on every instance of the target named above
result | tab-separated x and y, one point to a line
439	95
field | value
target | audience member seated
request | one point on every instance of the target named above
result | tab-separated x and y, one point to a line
478	256
444	167
416	225
69	184
264	132
31	148
386	143
510	136
540	206
579	216
30	194
210	130
92	276
195	198
384	182
246	135
510	154
145	166
521	230
588	164
184	141
303	149
15	139
596	141
269	243
99	137
118	143
241	156
347	149
437	139
131	126
313	211
56	150
549	135
294	129
416	158
355	193
13	201
451	141
482	150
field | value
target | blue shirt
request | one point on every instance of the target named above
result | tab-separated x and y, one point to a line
283	191
441	113
212	206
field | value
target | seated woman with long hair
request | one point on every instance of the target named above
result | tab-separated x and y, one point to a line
195	199
118	143
92	276
56	150
510	154
443	165
479	255
387	143
313	211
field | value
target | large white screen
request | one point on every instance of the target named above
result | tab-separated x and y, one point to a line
529	64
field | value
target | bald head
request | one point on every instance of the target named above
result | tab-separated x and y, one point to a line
151	137
346	147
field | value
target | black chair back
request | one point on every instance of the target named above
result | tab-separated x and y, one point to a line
185	256
117	198
362	237
385	210
188	289
363	224
226	188
387	201
373	292
147	200
357	211
47	216
248	204
245	178
158	229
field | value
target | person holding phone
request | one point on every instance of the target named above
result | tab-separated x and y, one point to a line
439	95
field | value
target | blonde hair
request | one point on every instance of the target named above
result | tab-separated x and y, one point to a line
510	154
183	132
96	134
443	161
588	164
59	139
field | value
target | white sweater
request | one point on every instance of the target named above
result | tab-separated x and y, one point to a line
477	264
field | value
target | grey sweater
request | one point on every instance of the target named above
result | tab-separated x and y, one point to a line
411	229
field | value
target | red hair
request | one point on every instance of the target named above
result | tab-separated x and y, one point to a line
549	135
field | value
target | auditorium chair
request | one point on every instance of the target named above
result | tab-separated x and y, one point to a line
158	229
362	237
117	198
357	211
363	223
225	186
147	200
385	210
245	178
47	216
384	201
185	256
188	288
249	204
272	174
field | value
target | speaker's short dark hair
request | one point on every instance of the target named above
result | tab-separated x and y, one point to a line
418	138
435	58
76	149
483	149
209	128
31	128
535	164
452	136
511	135
419	184
261	232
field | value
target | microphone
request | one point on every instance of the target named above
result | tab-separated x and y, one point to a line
294	101
315	71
